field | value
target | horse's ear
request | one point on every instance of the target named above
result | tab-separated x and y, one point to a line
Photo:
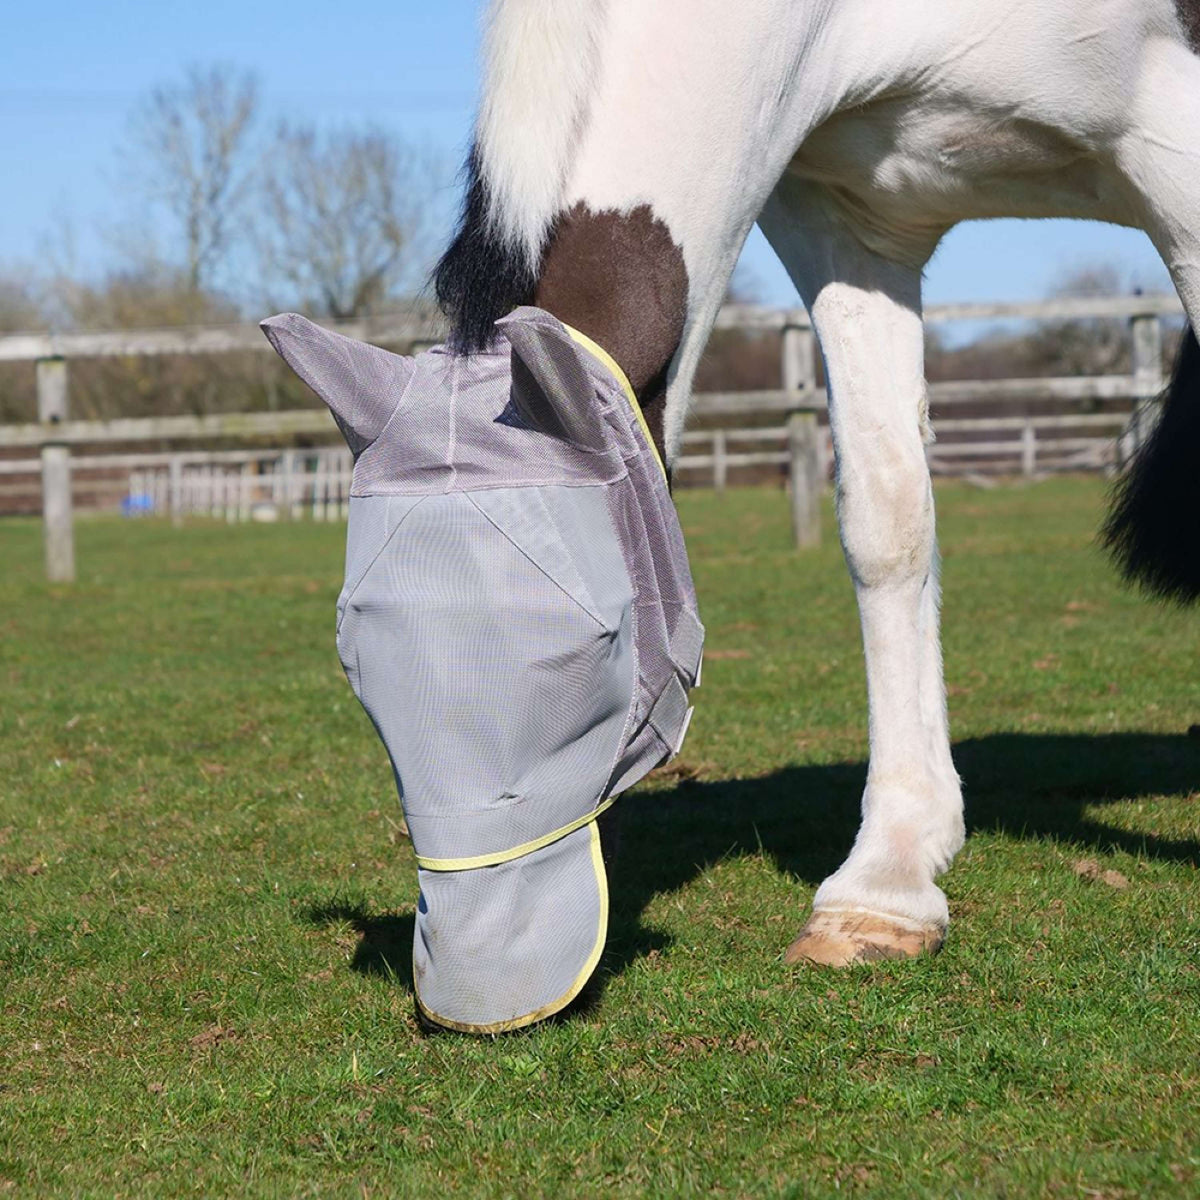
362	384
551	386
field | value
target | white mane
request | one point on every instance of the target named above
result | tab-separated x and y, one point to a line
541	58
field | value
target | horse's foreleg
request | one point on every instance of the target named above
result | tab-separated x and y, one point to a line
866	311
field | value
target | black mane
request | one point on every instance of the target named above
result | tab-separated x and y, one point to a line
1189	18
480	278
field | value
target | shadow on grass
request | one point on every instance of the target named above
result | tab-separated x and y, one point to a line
385	947
1024	786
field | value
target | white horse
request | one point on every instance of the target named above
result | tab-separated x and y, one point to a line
623	150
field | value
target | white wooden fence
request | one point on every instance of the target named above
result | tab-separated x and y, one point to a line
243	485
236	485
1029	446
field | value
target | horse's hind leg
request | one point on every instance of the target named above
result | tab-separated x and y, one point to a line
866	311
1160	157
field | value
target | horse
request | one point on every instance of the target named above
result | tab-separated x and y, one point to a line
622	151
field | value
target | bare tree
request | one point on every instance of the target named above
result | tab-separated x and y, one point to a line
740	359
144	296
345	218
20	312
189	152
20	308
1091	347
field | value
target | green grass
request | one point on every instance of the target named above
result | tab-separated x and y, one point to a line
205	905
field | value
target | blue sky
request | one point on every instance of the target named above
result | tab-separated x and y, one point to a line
71	71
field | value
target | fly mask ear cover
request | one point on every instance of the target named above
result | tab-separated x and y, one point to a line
519	621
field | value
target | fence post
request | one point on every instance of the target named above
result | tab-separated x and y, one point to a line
287	465
1028	450
318	488
245	499
298	483
1148	379
805	476
1147	356
720	460
175	489
799	362
806	470
57	527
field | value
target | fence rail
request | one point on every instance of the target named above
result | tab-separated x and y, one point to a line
1040	445
245	483
422	324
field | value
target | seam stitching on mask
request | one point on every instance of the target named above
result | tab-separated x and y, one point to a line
537	566
375	558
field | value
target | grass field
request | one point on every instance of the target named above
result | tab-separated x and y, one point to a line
205	903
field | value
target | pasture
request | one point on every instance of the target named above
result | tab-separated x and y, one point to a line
205	898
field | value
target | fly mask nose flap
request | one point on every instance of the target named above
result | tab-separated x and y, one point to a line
519	622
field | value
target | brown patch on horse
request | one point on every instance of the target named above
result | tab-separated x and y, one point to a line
1189	18
620	279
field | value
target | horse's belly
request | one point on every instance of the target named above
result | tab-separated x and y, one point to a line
909	172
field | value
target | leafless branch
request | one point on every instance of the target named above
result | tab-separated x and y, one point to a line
188	153
344	218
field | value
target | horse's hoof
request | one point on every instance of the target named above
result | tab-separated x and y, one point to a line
841	939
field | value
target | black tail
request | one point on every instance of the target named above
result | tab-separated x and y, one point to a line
480	278
1153	526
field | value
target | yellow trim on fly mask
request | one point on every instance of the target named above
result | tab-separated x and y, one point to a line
608	361
503	856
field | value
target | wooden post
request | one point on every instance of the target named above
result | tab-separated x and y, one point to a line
57	527
175	489
720	460
1148	379
1147	357
318	488
293	485
799	362
1028	450
806	470
805	476
282	495
245	499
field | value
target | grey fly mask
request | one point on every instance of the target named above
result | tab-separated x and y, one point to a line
518	620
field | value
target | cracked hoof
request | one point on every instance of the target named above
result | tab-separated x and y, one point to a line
841	939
